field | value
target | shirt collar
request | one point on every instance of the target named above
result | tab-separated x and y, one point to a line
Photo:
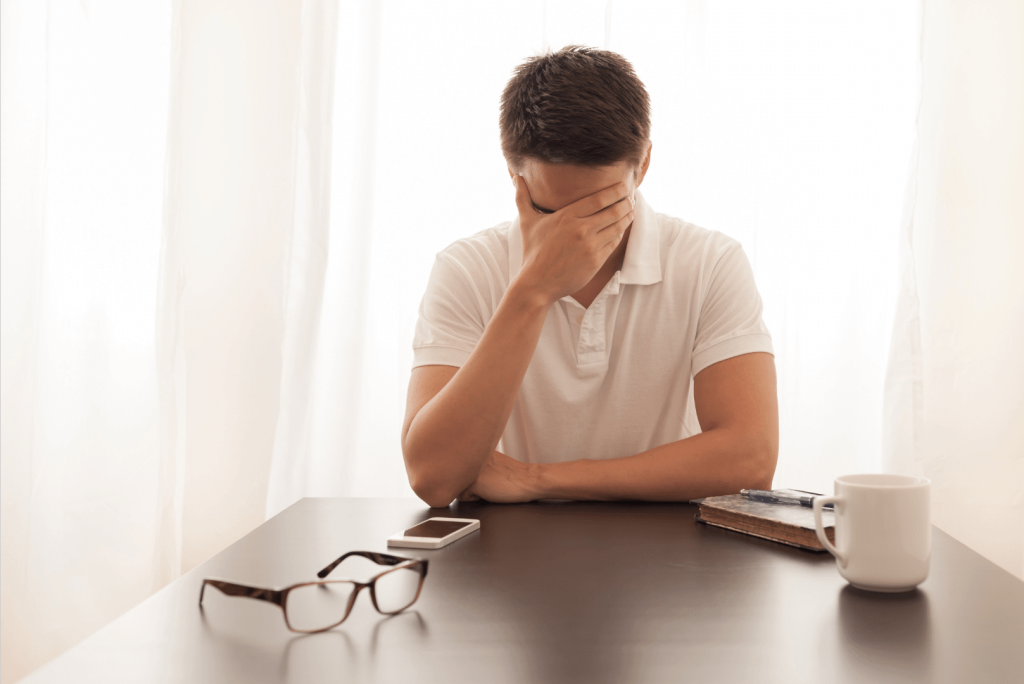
642	263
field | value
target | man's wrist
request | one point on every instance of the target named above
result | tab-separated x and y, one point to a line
530	294
549	480
535	480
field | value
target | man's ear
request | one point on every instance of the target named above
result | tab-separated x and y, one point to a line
642	171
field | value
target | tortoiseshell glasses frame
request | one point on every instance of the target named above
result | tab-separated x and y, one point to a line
279	597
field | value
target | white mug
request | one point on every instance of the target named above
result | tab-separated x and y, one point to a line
883	530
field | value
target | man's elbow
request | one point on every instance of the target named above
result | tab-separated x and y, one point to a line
427	486
431	494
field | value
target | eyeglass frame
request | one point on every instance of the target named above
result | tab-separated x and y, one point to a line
279	597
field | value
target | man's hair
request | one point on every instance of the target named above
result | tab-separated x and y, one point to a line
579	106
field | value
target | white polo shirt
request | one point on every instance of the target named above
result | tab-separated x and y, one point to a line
614	379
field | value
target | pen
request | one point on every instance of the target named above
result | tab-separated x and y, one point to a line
791	497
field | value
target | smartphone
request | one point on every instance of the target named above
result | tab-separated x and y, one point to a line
434	533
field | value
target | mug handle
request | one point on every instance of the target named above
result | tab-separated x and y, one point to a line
819	529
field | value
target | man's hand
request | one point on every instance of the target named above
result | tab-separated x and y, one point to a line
503	480
563	251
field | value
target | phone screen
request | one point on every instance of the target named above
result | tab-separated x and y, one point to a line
435	529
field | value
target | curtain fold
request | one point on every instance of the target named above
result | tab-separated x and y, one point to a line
308	249
321	357
170	340
246	242
954	402
84	125
23	115
165	183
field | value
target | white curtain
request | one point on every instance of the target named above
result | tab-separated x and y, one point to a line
218	218
955	391
166	186
83	127
244	252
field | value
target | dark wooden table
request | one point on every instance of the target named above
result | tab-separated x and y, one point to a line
566	592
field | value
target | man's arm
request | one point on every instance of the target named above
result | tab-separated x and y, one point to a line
737	407
455	417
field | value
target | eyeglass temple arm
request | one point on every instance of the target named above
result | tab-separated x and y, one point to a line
378	558
231	589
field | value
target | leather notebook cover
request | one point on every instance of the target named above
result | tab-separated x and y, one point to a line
792	525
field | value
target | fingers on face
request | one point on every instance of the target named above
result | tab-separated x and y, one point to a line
618	215
612	233
601	209
624	207
601	200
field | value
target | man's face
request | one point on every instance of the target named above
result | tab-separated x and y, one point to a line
553	186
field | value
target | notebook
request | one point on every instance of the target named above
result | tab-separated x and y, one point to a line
786	524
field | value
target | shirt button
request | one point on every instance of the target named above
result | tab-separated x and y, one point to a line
579	319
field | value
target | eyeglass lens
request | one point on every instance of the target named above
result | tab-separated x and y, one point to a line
318	606
396	590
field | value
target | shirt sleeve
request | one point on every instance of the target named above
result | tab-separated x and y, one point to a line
450	322
730	317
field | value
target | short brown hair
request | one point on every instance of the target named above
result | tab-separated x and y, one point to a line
579	105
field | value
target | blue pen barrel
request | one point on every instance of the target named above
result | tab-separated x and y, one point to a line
784	497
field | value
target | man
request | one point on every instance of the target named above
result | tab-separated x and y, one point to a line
554	354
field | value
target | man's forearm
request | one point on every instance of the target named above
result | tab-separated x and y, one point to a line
711	463
455	432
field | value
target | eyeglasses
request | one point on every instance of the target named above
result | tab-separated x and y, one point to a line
318	606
